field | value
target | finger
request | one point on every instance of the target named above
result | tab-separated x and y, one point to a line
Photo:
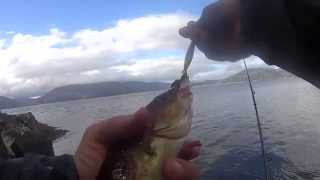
178	169
190	150
121	127
191	31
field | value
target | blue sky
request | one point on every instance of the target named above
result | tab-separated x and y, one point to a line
37	16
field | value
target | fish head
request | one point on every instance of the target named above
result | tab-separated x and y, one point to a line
172	110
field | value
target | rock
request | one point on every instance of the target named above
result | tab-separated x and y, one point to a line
22	134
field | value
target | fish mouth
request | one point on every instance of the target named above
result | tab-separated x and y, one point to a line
184	89
185	92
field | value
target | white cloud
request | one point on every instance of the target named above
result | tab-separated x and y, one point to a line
2	43
145	33
132	49
91	72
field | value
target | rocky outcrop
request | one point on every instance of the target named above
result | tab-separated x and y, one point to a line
22	134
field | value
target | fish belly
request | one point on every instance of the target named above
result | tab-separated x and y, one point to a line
149	161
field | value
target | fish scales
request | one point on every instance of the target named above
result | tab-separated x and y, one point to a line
171	122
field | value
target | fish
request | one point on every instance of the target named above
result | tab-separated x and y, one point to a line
171	114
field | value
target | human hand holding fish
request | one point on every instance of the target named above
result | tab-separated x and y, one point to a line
147	145
94	151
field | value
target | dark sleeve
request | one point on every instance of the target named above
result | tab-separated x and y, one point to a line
285	33
38	167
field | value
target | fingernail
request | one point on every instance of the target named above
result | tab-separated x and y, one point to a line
140	112
191	23
197	143
196	150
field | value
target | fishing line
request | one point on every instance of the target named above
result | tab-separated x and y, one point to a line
187	62
189	56
265	162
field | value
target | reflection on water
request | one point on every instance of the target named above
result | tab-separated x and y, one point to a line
224	120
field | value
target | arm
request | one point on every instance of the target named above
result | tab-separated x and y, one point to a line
281	32
284	33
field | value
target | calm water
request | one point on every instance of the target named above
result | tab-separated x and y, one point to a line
224	120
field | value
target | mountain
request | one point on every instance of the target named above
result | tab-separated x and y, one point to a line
259	74
256	74
7	103
82	91
198	83
26	101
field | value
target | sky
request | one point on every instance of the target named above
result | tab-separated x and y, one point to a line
50	43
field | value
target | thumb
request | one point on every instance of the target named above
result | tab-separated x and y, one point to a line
99	137
191	31
178	169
